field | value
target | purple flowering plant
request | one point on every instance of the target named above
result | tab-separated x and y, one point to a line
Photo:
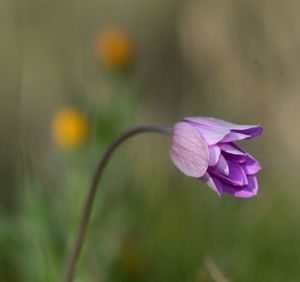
204	148
201	147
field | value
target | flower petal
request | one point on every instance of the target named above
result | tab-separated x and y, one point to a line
251	166
234	136
214	154
219	123
247	191
211	135
232	149
213	183
222	166
236	158
189	151
251	132
241	131
235	177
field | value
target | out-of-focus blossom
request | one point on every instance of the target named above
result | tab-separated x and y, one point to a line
204	148
69	127
114	48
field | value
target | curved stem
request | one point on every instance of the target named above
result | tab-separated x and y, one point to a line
88	204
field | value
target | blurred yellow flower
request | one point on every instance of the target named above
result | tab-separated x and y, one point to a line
69	127
114	48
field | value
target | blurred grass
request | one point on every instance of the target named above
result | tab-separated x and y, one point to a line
136	235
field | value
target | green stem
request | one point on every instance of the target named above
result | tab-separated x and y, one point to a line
88	204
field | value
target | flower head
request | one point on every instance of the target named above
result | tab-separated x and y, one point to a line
69	127
204	148
114	48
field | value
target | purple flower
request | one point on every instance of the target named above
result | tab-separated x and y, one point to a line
203	147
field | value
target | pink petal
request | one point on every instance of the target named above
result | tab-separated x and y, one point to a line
214	154
234	136
213	183
237	158
189	151
246	130
209	121
235	177
211	135
222	166
247	191
251	132
251	166
232	149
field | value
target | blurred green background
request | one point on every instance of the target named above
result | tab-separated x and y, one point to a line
123	63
